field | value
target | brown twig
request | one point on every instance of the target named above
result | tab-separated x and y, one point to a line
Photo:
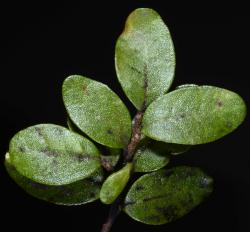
115	208
106	164
114	211
136	136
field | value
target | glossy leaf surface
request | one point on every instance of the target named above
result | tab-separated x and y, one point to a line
53	155
97	111
114	184
194	115
144	57
77	193
166	195
151	156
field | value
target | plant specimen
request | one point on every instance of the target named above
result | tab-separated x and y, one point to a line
96	157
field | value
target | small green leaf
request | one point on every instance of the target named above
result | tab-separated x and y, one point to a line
166	195
77	193
151	156
194	115
97	111
53	155
144	57
114	184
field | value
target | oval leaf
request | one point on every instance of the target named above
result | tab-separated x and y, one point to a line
144	57
163	196
194	115
53	155
97	111
114	184
77	193
151	156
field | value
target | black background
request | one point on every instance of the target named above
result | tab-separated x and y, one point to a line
44	43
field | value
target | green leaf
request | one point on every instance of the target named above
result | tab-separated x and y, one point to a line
166	195
144	57
167	148
151	156
97	111
77	193
53	155
114	184
194	115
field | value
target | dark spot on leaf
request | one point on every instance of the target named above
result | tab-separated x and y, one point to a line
106	164
92	194
50	173
229	125
81	157
11	167
38	131
54	162
182	115
22	149
154	218
84	157
49	153
169	212
135	69
84	88
145	86
145	74
168	173
110	132
154	198
222	130
129	203
219	103
139	187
